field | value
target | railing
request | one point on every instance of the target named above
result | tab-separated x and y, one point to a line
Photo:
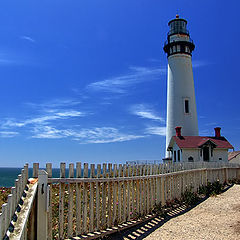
99	200
14	204
175	42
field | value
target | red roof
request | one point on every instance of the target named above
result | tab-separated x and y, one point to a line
198	141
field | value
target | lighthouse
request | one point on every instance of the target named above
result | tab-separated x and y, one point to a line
181	103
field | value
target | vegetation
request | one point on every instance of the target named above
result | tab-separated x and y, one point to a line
234	181
190	198
211	189
4	192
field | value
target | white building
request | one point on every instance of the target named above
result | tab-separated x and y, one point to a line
198	148
181	103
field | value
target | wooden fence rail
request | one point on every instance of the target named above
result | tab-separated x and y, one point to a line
96	199
105	197
14	201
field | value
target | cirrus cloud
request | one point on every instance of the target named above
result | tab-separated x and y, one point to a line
119	84
85	135
145	111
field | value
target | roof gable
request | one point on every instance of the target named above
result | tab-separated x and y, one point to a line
207	142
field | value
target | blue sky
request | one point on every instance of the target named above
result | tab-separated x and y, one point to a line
86	80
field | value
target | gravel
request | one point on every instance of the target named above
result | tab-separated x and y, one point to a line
216	218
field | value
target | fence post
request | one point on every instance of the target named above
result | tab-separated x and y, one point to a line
226	174
49	171
238	173
42	205
35	170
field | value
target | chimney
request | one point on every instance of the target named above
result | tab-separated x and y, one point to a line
178	131
217	132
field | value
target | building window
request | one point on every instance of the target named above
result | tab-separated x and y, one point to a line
190	159
174	156
220	159
186	105
178	155
206	153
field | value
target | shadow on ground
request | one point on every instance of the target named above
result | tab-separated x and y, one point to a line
142	230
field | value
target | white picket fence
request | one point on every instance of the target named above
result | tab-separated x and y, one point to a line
94	201
14	202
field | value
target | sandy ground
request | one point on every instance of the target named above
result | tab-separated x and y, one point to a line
215	218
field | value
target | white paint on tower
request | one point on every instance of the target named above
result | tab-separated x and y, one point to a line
181	103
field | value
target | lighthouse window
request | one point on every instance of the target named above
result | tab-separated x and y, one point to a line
186	105
182	48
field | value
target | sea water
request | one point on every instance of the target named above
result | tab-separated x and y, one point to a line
9	175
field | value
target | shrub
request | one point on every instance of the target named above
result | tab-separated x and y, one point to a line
158	209
211	189
234	181
190	198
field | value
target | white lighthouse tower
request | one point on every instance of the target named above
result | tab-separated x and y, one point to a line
181	103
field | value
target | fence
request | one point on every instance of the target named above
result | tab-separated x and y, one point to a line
94	201
14	202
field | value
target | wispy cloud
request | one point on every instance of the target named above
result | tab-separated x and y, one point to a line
42	131
7	134
8	57
145	111
83	136
43	119
161	131
200	63
55	104
119	84
27	38
206	132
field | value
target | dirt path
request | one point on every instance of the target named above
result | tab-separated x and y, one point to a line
216	218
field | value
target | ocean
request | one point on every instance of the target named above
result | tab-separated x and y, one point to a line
8	175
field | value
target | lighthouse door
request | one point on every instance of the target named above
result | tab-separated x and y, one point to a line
206	153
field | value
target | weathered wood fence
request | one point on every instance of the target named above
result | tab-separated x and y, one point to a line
100	199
